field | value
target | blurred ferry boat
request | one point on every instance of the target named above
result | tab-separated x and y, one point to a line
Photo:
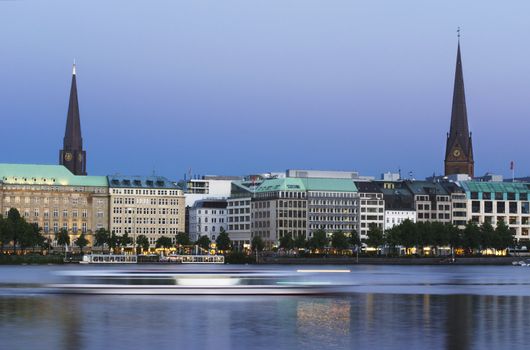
109	259
160	282
193	259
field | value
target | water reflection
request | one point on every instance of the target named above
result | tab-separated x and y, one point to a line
360	321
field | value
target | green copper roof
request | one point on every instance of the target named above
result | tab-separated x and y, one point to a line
283	184
53	175
332	185
504	187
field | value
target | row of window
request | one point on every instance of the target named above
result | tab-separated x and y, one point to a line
52	200
500	196
145	192
26	213
145	211
151	201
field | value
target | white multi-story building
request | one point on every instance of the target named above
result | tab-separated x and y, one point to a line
207	218
395	217
372	207
208	186
495	201
152	206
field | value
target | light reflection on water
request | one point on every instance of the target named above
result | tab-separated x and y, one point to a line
352	321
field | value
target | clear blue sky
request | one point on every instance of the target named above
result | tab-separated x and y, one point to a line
245	86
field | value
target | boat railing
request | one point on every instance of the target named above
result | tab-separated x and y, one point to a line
109	259
196	259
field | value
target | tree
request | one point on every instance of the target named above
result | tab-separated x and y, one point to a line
26	236
101	237
142	243
287	242
257	244
62	237
471	237
392	237
3	233
14	226
375	237
223	241
408	234
339	240
113	241
319	240
164	242
300	242
182	239
81	242
204	242
454	236
355	239
505	235
488	237
124	240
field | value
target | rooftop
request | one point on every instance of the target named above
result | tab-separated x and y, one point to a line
53	175
505	187
120	181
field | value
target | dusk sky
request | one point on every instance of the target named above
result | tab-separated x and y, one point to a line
234	87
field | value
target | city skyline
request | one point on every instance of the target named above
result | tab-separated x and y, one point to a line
138	117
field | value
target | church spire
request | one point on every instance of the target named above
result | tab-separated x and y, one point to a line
72	155
459	149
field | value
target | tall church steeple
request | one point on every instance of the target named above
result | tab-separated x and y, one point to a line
72	155
459	147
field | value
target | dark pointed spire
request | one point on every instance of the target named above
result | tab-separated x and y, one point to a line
459	125
459	149
72	134
72	155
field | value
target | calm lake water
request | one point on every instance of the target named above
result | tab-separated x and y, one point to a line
387	307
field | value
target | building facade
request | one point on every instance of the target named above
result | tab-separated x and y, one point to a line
145	205
207	218
333	205
371	207
432	201
279	207
55	199
495	201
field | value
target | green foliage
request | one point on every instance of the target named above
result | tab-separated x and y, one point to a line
375	237
142	243
125	240
506	237
223	241
182	239
300	242
204	242
319	240
164	242
471	236
62	238
287	242
257	244
354	239
101	237
339	240
81	241
113	241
